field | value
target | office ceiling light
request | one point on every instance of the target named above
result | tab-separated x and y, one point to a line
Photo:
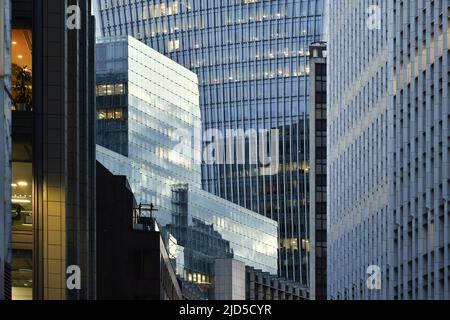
20	200
22	184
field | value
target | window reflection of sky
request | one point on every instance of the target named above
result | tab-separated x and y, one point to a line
163	98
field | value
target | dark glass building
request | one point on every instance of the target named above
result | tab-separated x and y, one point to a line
52	99
199	242
251	58
318	175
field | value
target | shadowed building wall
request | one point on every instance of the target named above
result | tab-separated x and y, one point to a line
318	175
132	261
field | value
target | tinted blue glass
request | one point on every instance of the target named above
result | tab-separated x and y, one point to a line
162	99
251	57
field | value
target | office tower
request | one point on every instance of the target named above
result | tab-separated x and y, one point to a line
251	58
318	173
53	143
146	104
132	260
388	174
5	152
264	286
225	230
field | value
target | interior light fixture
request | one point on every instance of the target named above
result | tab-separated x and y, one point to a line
17	200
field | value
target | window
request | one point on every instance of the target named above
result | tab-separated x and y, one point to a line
119	89
175	7
21	194
22	75
102	114
110	89
110	114
174	45
101	90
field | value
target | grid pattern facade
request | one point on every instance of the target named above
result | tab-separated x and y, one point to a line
261	286
388	149
211	222
251	58
161	103
162	98
5	152
61	122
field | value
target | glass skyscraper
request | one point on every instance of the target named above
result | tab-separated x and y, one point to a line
251	58
144	102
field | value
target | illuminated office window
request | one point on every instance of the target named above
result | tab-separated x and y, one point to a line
175	7
174	45
119	89
110	114
118	114
22	273
110	90
22	218
101	90
102	114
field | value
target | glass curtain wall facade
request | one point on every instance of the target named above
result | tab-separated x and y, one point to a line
22	152
388	149
201	226
146	104
5	152
251	58
251	238
162	99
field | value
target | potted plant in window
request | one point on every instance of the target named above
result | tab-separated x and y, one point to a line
22	88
